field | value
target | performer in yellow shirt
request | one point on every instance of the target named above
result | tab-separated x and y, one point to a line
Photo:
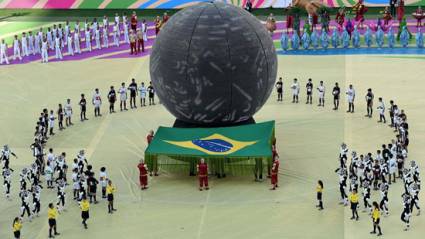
354	200
319	190
376	215
52	214
17	226
85	206
110	190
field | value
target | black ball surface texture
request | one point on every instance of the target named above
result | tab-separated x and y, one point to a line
213	64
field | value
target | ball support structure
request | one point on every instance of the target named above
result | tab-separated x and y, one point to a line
213	65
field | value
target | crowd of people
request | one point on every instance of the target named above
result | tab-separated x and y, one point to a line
366	173
347	32
56	169
62	39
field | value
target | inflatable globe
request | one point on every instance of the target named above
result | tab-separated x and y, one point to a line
213	64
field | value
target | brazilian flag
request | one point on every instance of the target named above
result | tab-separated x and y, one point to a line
226	149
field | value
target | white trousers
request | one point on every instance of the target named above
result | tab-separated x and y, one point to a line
16	53
77	47
3	57
58	53
44	56
88	45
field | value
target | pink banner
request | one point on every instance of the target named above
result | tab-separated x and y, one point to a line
21	3
61	4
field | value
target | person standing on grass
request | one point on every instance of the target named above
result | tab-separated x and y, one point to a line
144	30
133	92
336	91
321	90
51	122
133	43
60	116
97	102
309	88
151	91
112	97
140	41
110	190
133	21
123	97
319	189
103	179
68	113
381	109
143	177
17	48
83	106
202	169
142	94
3	52
376	216
295	91
351	95
52	214
275	171
369	102
17	227
85	207
279	89
77	48
354	200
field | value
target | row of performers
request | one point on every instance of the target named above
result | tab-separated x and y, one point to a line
345	39
293	20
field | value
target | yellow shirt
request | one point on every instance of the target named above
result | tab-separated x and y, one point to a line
376	214
319	189
52	213
17	226
354	198
110	189
85	205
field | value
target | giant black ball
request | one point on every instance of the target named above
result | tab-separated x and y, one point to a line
213	64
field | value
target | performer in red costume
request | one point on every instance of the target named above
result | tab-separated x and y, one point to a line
340	18
315	21
275	171
387	16
143	176
289	19
419	15
400	10
165	18
360	10
133	21
202	169
149	137
274	155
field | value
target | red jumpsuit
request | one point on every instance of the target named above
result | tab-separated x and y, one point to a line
165	19
149	138
340	18
275	171
400	11
143	177
133	22
203	175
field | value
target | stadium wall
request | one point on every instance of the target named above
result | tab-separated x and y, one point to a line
168	4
